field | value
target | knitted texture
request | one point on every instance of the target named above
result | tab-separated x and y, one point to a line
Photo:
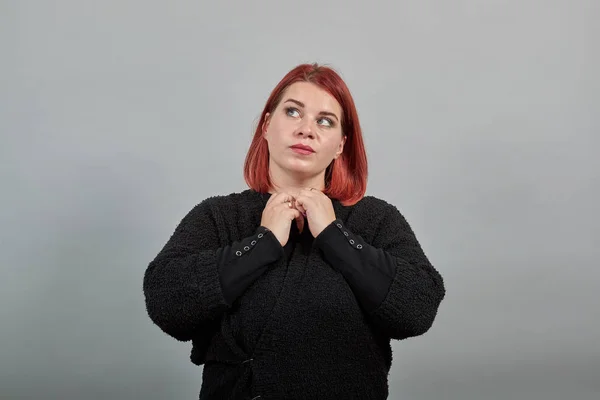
298	331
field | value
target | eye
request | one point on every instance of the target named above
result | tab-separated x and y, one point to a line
291	110
327	122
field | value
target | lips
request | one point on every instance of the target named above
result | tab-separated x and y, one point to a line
303	147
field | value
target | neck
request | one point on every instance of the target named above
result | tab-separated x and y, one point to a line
293	185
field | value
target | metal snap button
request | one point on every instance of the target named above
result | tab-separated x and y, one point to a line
246	248
260	235
359	246
239	253
253	242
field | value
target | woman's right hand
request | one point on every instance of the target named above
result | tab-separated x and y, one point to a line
278	215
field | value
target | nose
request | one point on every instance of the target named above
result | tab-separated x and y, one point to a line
305	129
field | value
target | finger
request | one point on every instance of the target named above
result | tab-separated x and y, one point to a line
276	198
295	214
300	205
280	198
283	207
287	198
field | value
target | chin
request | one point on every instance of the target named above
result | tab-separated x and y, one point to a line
307	170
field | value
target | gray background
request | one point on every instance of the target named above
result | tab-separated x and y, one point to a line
481	124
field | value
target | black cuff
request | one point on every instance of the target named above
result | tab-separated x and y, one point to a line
274	250
243	262
368	271
336	238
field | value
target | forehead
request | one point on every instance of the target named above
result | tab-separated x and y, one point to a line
313	97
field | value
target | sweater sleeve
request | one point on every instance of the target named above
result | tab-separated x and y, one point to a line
369	272
241	263
183	284
404	289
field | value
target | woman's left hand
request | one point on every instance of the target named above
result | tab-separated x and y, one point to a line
317	207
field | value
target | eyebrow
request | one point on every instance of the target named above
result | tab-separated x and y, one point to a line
301	104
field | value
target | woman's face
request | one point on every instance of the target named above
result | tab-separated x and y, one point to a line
309	116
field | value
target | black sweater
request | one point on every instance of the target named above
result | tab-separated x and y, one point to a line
312	319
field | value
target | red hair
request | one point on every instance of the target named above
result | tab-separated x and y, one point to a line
346	176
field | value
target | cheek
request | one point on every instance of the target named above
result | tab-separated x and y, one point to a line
274	131
333	147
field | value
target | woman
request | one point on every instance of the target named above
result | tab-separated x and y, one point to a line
294	288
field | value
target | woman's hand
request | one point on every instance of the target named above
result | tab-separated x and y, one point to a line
278	215
317	207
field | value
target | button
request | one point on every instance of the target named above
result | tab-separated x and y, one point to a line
339	225
253	242
346	233
238	253
351	241
359	246
260	235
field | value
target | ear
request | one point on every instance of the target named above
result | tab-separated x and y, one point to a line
341	147
265	124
